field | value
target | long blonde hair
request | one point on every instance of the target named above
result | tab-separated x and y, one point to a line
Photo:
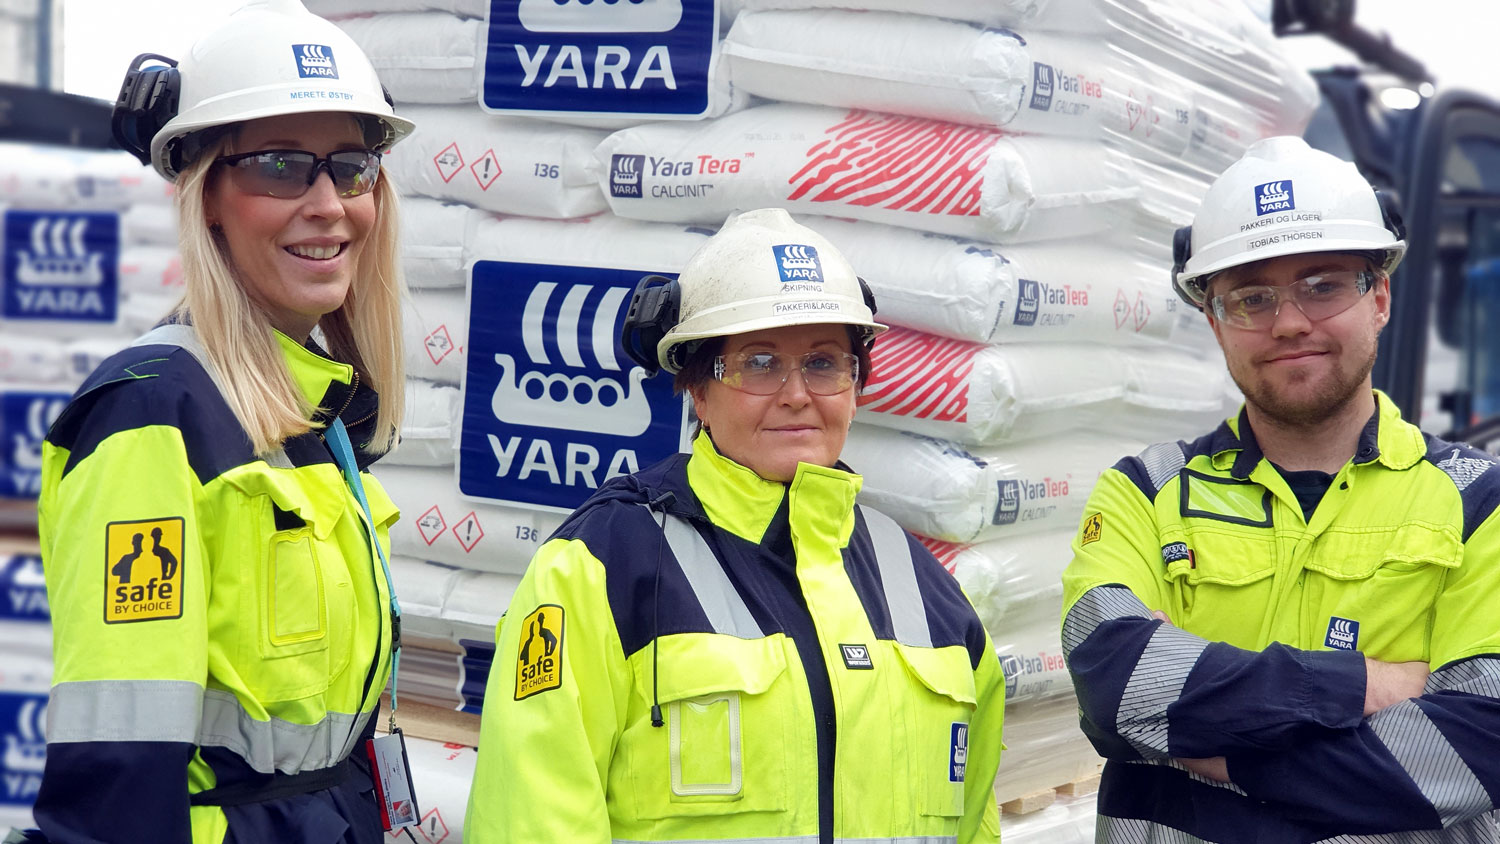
242	350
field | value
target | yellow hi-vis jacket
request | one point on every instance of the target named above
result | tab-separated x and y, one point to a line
220	619
820	677
1272	615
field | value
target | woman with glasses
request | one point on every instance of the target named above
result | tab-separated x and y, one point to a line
724	646
214	550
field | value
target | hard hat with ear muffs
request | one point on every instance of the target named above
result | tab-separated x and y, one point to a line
761	270
269	58
1284	198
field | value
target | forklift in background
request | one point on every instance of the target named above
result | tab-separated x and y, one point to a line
1442	159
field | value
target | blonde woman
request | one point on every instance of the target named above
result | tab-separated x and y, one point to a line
214	551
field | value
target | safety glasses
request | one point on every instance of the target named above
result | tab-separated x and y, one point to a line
288	173
1318	297
763	373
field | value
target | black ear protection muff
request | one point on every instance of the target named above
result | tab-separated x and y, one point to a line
147	101
1390	213
1182	251
654	309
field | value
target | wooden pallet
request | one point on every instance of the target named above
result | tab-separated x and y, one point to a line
1042	798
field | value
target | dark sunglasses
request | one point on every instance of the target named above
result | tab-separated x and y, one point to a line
288	173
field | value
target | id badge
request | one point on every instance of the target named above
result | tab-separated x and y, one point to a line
392	774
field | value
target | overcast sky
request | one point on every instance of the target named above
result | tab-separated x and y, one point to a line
1456	38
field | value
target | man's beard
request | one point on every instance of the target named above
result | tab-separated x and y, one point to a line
1330	397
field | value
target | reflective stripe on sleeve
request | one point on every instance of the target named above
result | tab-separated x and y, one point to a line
1163	461
720	601
124	710
1155	684
1431	762
899	578
1109	830
277	745
1098	605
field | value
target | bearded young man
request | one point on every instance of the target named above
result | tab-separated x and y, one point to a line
1250	618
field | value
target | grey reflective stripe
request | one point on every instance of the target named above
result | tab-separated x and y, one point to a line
277	745
721	602
898	576
1098	605
1162	461
1424	752
1173	763
1156	683
124	710
796	839
1477	676
1109	830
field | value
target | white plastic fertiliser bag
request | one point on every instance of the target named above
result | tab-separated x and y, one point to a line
43	176
976	394
509	165
923	174
1059	291
959	494
435	332
422	57
354	8
441	602
604	240
155	270
440	525
1064	15
34	359
433	234
1013	581
427	432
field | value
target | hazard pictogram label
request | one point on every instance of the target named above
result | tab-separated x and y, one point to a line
486	170
432	829
1142	311
439	344
1122	309
468	532
431	524
449	162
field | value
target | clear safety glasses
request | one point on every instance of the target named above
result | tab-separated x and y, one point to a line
288	173
1318	297
763	373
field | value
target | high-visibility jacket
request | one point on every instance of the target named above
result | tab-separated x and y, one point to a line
1271	613
220	619
819	675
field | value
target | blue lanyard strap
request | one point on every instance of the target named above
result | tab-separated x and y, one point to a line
337	438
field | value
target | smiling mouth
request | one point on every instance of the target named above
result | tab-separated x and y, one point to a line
317	253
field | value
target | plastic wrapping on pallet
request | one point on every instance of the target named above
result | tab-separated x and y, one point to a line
509	165
422	57
946	491
1069	820
978	394
361	8
1064	15
1025	293
439	524
924	174
1044	748
428	432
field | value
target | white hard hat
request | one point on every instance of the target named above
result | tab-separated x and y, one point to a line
1284	198
270	58
763	270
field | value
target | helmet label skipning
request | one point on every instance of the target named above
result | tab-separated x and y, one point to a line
1274	196
798	263
315	60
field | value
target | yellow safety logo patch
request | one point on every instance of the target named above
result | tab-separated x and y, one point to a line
1093	528
540	656
143	570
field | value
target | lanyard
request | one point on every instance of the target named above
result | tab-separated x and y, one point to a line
343	453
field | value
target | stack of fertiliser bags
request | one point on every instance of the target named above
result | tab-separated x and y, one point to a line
18	41
1006	175
88	261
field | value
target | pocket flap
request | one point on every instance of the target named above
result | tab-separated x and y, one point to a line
694	664
945	671
315	493
1361	553
383	511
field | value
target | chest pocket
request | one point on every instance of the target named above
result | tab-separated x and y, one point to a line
938	716
723	746
1219	564
305	595
1360	576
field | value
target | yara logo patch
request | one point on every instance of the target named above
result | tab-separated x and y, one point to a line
797	262
1274	196
552	406
1343	634
315	60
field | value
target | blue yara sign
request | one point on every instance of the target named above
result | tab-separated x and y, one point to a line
614	57
552	406
61	265
22	720
25	418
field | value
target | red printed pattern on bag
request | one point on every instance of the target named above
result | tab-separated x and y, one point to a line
919	375
945	552
897	163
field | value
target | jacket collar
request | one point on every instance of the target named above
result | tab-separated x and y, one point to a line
333	389
1386	438
739	501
